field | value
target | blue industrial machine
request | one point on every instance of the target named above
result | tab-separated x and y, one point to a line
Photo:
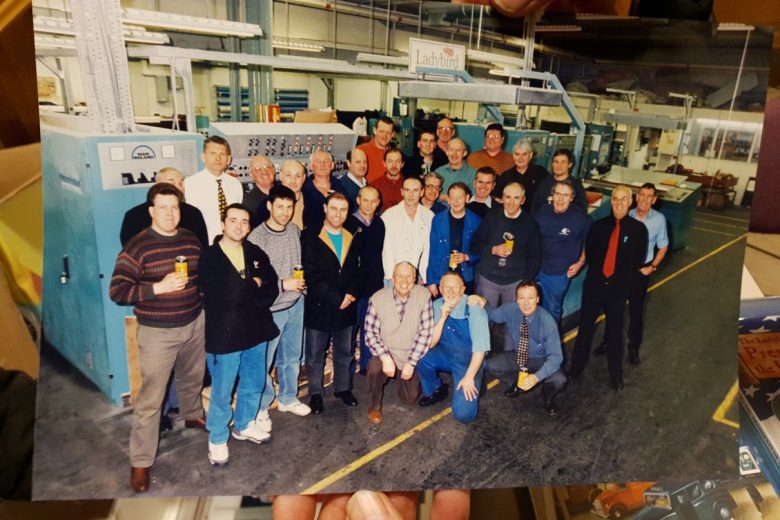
474	137
89	181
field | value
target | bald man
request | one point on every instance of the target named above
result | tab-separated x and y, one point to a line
137	219
263	175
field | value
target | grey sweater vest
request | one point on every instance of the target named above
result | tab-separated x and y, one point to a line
399	336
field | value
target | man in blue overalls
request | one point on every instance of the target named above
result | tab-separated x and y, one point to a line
460	340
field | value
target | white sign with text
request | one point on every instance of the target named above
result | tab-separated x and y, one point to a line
438	55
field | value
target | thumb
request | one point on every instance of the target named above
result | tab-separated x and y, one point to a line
371	505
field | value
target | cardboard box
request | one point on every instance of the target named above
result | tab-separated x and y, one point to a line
315	116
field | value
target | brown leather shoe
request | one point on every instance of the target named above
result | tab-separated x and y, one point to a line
199	423
375	416
139	479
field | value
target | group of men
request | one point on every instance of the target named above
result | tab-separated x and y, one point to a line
290	268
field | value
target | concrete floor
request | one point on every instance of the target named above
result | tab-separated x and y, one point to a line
661	426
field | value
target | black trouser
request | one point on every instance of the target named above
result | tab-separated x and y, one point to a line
637	292
595	296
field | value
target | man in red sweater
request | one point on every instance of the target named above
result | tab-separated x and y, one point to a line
169	308
376	147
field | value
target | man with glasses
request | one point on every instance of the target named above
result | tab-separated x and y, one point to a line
614	250
445	131
493	154
263	177
432	182
563	228
376	147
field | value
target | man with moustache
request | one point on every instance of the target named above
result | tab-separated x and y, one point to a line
614	250
355	179
279	237
239	286
171	323
375	149
398	326
389	184
263	175
366	225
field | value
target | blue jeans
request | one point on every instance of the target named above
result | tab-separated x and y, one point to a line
248	365
437	359
554	288
365	353
288	347
343	351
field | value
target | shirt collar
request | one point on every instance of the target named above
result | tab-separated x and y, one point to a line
356	181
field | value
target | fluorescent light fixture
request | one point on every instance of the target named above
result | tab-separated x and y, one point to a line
382	59
489	57
557	28
190	24
298	46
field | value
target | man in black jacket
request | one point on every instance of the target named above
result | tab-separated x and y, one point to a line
330	264
239	286
137	219
369	231
614	250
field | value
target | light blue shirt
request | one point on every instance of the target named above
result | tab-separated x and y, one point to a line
655	222
478	322
464	174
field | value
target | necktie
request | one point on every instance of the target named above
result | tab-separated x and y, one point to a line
522	347
609	260
222	199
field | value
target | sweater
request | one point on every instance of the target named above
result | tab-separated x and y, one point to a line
523	263
369	240
284	250
146	259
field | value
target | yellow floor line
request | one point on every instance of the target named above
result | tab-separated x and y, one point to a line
717	223
377	452
720	412
713	215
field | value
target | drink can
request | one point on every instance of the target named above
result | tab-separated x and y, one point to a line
298	272
509	241
180	265
453	264
521	376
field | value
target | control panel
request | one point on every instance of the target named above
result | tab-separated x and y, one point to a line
282	141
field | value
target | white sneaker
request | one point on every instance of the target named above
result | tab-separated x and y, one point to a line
263	421
253	432
218	454
297	408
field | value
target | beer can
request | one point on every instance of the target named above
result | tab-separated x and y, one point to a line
181	265
521	376
509	241
298	272
453	264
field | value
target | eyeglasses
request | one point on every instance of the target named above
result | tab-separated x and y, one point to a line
432	187
266	167
493	137
446	128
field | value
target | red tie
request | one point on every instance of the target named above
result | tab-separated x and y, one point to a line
609	260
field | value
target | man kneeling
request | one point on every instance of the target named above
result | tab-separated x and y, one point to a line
398	326
537	358
460	337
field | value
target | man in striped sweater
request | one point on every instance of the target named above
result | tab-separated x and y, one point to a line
169	309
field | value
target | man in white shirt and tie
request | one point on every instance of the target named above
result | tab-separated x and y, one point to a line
211	190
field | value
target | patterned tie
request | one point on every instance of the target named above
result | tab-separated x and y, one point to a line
609	260
522	347
222	199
